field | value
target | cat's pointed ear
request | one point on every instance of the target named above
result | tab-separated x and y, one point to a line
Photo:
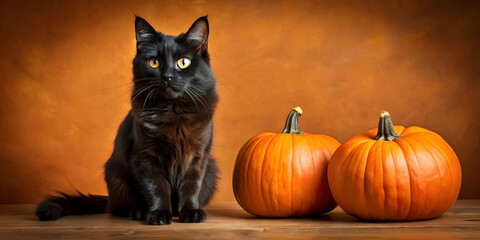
197	35
143	30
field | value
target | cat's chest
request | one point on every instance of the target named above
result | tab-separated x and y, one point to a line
178	145
167	113
172	128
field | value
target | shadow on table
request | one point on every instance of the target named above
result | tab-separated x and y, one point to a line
336	216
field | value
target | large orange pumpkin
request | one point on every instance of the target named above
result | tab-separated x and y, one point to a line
395	173
285	174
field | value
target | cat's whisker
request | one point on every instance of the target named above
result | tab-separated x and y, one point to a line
117	97
187	91
147	98
155	96
135	92
210	98
198	93
200	99
140	91
204	102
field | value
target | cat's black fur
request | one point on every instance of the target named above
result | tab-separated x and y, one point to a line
161	164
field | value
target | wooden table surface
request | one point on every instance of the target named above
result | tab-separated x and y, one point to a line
226	220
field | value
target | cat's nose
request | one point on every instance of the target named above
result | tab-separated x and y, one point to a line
168	77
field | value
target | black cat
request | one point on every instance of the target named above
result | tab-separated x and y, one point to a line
161	164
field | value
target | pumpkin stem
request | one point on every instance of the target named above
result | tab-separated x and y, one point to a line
386	132
291	125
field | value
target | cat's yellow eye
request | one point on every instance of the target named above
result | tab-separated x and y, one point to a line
154	63
183	63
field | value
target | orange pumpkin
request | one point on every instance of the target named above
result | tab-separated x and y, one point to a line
284	174
383	175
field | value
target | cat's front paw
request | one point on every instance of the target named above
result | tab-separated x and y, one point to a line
192	216
159	217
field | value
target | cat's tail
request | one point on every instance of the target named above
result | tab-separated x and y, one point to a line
55	207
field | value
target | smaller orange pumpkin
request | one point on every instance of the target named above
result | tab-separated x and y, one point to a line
285	175
383	175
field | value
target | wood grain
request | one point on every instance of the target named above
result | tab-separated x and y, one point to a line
226	220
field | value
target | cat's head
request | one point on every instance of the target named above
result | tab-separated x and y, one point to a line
171	67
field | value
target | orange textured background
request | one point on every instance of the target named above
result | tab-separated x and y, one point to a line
65	78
